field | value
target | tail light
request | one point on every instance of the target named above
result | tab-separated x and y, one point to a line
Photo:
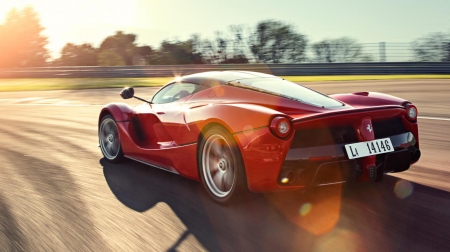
280	127
411	112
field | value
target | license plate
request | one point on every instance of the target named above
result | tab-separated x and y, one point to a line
369	148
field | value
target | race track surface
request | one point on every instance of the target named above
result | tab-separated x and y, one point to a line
57	193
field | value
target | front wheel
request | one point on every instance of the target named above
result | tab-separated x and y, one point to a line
109	138
221	167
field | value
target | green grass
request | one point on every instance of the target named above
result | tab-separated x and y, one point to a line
85	83
78	83
363	77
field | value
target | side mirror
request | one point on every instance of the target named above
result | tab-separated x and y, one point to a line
127	93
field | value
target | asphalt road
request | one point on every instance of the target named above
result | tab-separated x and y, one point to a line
58	194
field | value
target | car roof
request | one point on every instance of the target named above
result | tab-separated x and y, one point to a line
222	77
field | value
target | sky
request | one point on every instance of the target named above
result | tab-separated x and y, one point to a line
367	21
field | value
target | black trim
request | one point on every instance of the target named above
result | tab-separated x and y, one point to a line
138	129
323	136
320	171
191	143
154	165
388	128
397	161
337	151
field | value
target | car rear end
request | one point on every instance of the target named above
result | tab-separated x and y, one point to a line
326	148
357	144
322	140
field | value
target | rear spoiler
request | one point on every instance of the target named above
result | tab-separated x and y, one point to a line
344	112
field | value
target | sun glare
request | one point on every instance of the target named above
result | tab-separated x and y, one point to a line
82	21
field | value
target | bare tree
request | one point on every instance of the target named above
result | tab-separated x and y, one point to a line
216	51
433	47
277	42
224	49
177	52
240	42
339	50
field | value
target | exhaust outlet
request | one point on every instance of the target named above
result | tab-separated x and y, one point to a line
287	177
302	176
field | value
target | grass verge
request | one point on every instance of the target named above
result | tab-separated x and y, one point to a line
37	84
363	77
86	83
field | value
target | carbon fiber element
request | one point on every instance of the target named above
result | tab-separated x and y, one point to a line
323	136
388	128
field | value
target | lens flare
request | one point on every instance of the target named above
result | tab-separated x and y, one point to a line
177	79
248	130
305	209
341	239
317	212
403	189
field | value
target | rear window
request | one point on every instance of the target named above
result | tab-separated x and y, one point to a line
288	90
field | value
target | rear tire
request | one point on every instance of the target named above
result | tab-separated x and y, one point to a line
221	168
109	139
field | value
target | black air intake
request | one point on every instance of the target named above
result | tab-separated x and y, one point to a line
388	128
324	136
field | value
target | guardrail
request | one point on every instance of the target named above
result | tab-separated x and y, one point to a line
375	68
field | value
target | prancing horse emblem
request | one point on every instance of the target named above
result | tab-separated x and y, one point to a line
369	128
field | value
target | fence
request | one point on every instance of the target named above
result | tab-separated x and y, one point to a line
332	53
374	68
389	52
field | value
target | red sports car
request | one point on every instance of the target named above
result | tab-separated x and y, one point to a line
236	130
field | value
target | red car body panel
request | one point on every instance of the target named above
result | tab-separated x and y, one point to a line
166	135
264	153
120	111
367	99
263	156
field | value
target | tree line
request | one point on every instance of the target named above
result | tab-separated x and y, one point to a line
270	41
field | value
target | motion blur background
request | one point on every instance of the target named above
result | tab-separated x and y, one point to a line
117	33
57	192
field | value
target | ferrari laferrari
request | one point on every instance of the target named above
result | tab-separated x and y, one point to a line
239	131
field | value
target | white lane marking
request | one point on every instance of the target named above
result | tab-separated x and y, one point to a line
434	118
46	100
39	101
20	100
28	99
